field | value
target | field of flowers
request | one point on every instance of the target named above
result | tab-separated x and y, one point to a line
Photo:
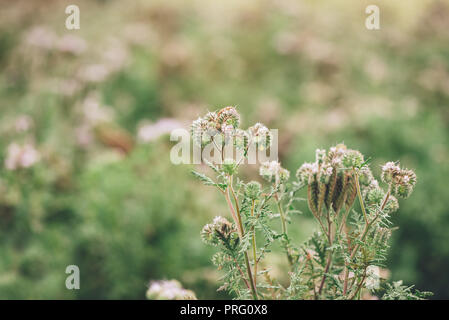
85	116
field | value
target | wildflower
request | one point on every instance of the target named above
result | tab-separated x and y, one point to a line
320	156
305	172
352	159
168	290
229	166
273	172
389	170
392	205
227	117
402	181
150	132
365	176
218	231
326	173
21	156
241	138
203	129
252	190
260	135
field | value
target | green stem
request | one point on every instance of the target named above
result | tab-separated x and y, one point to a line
284	229
254	246
242	233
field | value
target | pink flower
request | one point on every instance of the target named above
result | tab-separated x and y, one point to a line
21	156
152	131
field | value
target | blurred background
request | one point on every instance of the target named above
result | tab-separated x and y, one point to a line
85	175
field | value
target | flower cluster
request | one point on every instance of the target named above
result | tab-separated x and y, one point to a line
273	172
339	261
219	231
402	181
221	127
329	180
168	290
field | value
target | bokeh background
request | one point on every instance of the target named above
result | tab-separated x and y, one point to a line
85	176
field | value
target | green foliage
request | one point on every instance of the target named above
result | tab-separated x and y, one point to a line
342	260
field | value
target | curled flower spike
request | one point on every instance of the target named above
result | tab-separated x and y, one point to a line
201	132
389	170
227	118
260	135
218	231
273	172
305	171
402	181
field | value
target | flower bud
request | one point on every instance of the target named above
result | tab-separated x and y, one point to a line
229	166
389	170
352	159
218	231
253	190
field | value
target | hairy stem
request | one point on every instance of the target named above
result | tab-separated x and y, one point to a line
241	234
284	229
254	245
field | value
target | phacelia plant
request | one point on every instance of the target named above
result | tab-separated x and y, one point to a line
342	259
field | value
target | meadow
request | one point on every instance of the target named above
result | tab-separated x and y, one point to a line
85	117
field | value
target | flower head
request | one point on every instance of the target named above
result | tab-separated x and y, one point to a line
168	290
252	190
260	135
402	181
273	172
218	231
